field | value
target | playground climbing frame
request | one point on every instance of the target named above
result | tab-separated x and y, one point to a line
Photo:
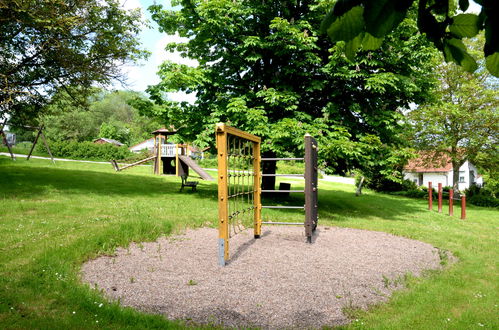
239	186
238	156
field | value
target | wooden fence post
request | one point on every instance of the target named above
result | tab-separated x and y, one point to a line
451	202
311	196
430	196
463	207
440	198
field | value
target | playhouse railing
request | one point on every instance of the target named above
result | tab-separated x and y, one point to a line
168	150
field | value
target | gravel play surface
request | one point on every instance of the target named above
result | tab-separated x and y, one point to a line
278	281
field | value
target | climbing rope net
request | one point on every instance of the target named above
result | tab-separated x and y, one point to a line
241	183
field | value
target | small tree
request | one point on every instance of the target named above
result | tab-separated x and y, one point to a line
46	45
464	122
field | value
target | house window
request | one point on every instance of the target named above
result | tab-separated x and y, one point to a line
461	177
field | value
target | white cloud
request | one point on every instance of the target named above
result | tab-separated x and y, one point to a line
160	54
130	4
139	76
182	96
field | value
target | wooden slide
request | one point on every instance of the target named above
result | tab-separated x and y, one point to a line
195	167
117	168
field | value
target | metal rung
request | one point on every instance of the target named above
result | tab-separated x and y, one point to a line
297	175
270	159
282	223
283	207
284	191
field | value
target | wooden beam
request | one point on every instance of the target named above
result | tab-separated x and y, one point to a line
311	186
223	198
34	143
257	190
46	144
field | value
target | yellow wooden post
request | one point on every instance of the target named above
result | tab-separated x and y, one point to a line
223	206
257	191
160	147
222	132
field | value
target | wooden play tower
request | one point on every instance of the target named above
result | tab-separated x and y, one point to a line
168	158
174	159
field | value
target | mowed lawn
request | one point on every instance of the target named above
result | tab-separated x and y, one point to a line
53	218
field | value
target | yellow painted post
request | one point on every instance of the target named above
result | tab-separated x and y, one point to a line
160	147
257	206
223	206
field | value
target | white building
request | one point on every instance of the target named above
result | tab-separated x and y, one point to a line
420	172
147	145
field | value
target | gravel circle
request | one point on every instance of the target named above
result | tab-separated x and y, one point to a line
277	281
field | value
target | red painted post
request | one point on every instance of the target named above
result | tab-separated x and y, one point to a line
463	207
430	196
451	202
440	198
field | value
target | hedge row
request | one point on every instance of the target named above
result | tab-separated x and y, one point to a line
86	150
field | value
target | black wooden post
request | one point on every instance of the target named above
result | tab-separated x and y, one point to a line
311	187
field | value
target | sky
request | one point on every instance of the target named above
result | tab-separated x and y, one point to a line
144	74
139	76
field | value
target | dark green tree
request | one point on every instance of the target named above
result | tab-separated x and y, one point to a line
46	45
265	68
367	22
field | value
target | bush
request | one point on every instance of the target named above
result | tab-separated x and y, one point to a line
382	184
209	162
417	193
86	150
481	196
483	200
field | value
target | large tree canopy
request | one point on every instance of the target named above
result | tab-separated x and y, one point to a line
49	44
264	68
367	22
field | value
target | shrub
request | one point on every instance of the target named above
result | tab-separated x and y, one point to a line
86	150
380	183
483	200
481	196
209	162
417	193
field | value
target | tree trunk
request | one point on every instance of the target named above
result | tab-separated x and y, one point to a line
359	187
268	167
455	177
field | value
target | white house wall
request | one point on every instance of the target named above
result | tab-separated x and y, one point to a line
435	179
446	179
466	168
147	144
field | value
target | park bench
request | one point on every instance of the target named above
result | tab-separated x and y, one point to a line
186	183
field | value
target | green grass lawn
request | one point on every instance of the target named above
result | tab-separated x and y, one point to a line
53	218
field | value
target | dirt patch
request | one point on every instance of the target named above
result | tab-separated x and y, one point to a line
277	281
